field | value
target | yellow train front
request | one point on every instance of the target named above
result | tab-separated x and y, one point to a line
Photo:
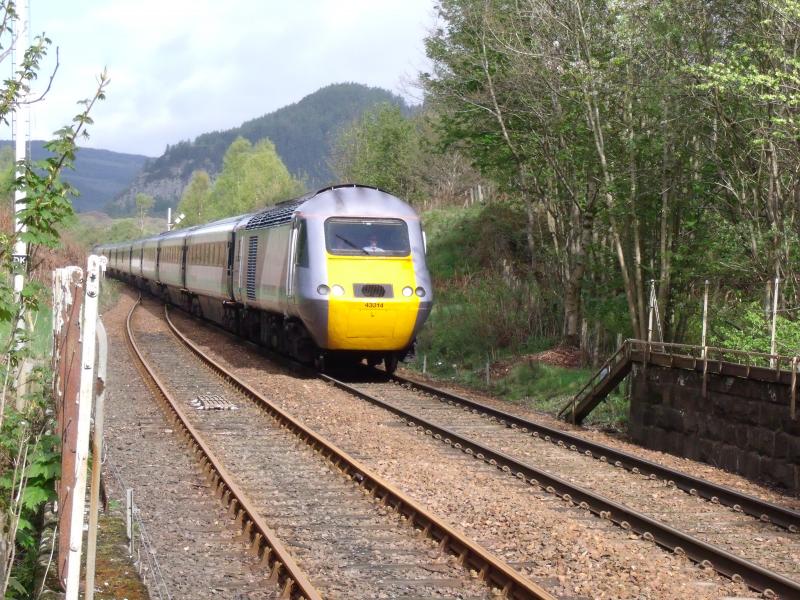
337	275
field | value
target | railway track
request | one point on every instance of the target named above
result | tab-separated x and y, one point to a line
717	494
339	519
737	545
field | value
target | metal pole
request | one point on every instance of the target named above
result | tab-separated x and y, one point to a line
650	315
169	218
88	325
97	459
774	322
705	318
21	126
793	396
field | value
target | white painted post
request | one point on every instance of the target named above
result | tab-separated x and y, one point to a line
424	364
85	394
169	218
650	312
772	342
97	461
21	126
705	318
129	519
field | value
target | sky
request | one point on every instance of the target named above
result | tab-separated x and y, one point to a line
179	68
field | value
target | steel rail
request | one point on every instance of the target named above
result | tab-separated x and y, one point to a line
262	539
736	568
470	554
756	507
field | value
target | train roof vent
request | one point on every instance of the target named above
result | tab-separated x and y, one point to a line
275	215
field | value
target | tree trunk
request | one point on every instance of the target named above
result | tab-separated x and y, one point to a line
583	221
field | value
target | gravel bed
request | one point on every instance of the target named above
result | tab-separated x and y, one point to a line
196	546
617	441
767	545
564	548
348	543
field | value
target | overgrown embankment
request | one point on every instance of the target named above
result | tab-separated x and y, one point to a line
494	324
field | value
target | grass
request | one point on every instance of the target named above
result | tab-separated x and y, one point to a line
110	290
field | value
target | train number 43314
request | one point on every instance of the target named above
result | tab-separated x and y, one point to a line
373	304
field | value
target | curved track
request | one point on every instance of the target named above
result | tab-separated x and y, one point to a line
242	440
264	541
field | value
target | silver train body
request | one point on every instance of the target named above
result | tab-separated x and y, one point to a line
339	273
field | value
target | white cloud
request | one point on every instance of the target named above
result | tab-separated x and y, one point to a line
181	68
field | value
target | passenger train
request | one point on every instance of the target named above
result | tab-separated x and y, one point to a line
338	275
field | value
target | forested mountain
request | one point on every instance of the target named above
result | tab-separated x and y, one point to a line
99	175
302	133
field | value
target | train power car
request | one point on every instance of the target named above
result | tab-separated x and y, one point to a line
336	275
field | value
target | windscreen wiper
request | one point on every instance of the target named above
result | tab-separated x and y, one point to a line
351	244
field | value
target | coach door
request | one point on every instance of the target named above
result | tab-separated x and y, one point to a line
184	252
291	267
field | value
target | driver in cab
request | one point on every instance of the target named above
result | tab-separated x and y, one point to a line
372	247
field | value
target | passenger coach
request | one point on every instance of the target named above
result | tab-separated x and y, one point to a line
339	274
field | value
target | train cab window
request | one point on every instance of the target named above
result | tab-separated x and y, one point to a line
367	237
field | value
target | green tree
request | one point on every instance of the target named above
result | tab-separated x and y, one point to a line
587	113
195	201
144	203
382	149
252	177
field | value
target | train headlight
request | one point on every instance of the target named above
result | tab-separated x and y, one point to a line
408	292
337	290
323	290
420	292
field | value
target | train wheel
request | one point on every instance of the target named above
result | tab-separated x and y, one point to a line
390	363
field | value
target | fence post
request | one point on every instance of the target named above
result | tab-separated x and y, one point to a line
793	397
705	319
85	396
129	519
97	462
772	361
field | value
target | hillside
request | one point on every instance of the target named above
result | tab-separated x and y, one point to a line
99	175
302	133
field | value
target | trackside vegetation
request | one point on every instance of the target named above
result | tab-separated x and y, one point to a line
588	160
29	453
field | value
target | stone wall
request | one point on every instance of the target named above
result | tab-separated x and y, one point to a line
741	426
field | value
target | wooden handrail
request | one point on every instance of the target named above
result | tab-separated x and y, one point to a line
755	359
599	375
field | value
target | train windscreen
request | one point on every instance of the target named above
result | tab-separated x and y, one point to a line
367	237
